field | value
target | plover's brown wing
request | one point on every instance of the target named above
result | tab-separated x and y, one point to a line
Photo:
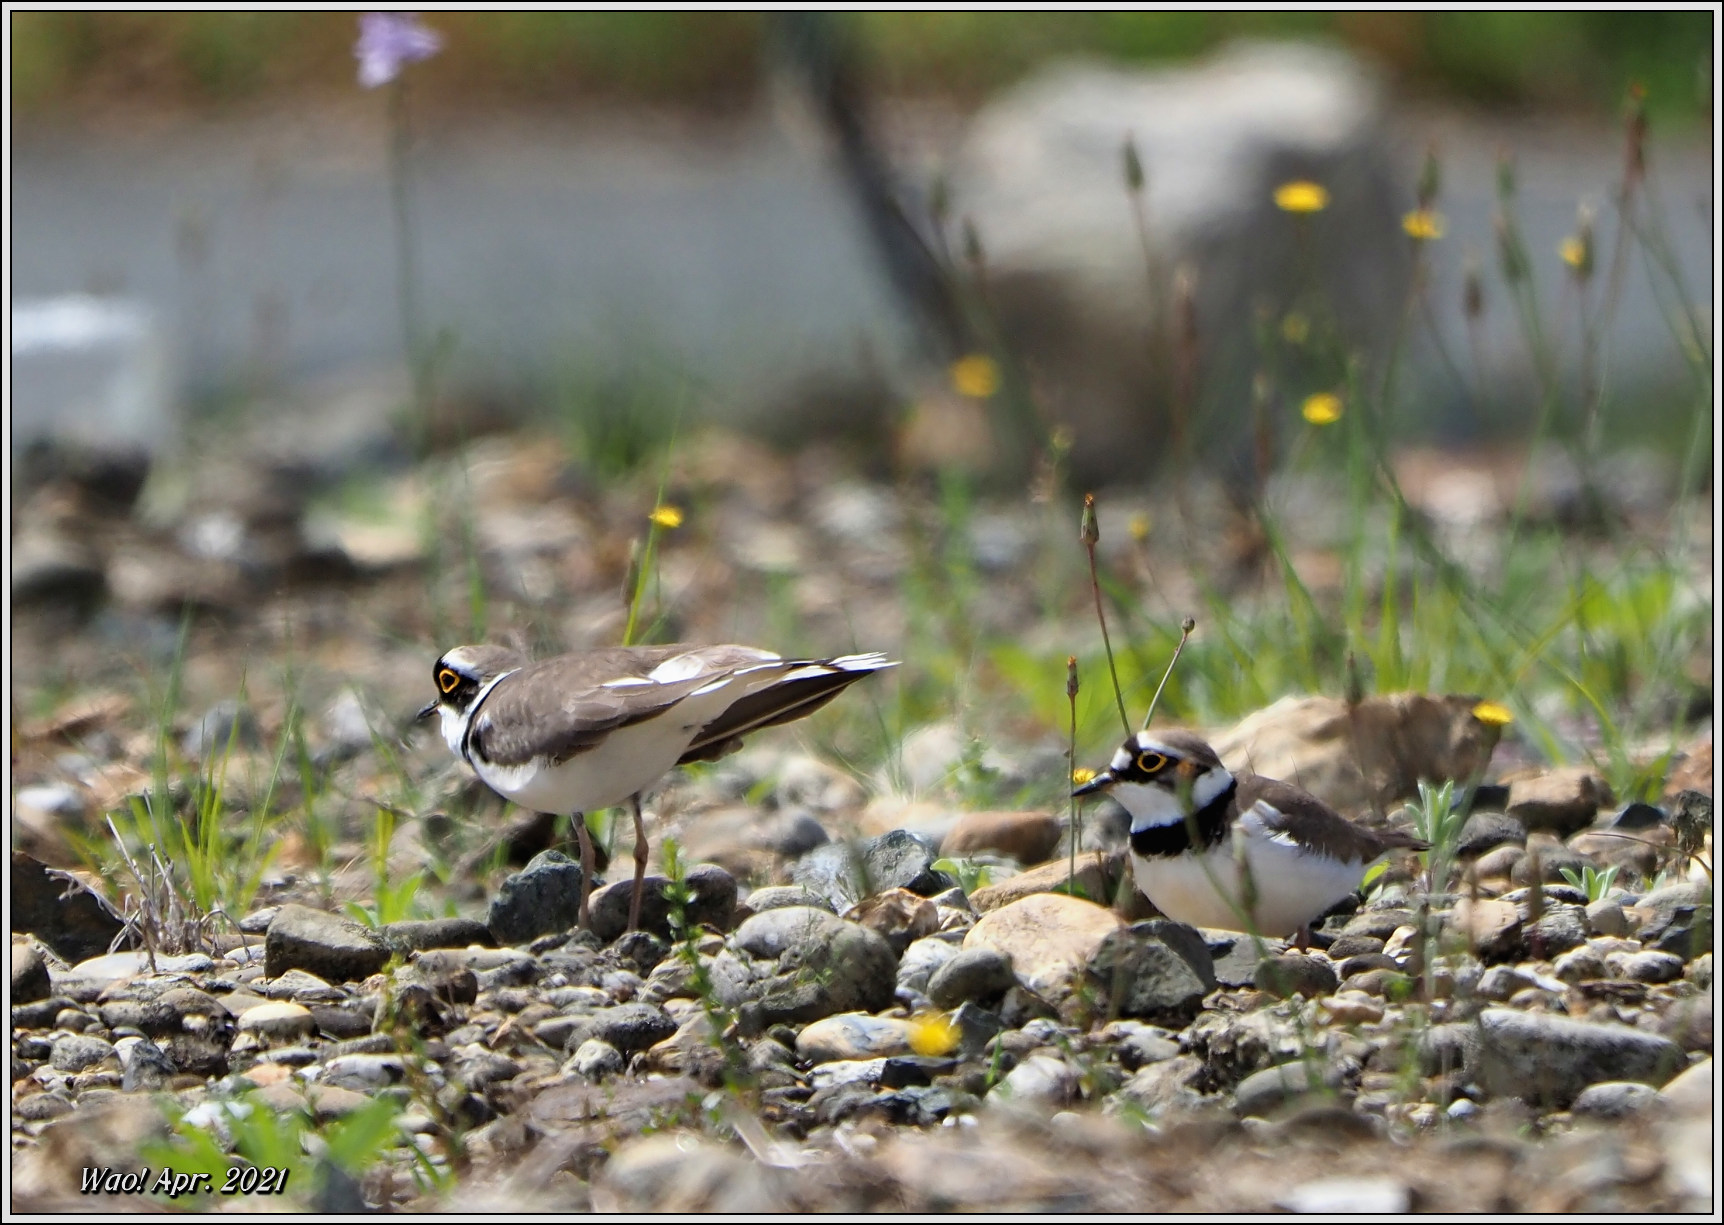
1305	821
803	688
559	708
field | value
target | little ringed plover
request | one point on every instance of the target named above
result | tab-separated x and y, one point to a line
1237	853
593	729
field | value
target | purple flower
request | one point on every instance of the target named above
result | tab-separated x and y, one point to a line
390	41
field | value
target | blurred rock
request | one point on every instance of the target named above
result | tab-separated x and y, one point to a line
712	904
224	723
1372	754
1028	837
1485	831
972	975
897	914
90	372
1291	974
854	1035
1098	878
1135	974
61	911
1547	1060
845	873
1040	173
1563	801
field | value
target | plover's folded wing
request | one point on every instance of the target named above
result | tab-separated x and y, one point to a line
790	690
1302	820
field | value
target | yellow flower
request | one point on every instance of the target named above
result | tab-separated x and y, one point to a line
1301	196
1494	713
666	516
1139	526
1295	328
1423	224
933	1034
1576	252
976	376
1082	775
1321	409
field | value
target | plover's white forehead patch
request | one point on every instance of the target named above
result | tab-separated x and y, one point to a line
461	659
1147	743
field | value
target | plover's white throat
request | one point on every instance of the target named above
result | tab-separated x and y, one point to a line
1238	853
591	730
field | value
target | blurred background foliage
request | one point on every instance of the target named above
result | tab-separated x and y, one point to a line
71	62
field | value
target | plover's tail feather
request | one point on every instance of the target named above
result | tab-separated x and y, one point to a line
805	686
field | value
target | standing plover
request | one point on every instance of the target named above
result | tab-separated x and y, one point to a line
590	730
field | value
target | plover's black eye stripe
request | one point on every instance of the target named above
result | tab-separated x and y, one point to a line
448	680
1150	762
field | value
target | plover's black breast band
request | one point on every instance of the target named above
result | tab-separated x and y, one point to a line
1166	841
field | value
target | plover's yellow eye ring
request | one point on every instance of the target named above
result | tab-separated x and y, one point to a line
1149	763
448	679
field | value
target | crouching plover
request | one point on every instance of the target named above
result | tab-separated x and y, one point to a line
1245	853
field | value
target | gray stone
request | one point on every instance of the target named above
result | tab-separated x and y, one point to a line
1040	1079
976	1028
837	1072
145	1066
1583	964
1234	957
1265	1092
1547	1060
977	975
1485	831
1614	1099
415	935
852	970
1145	1045
792	833
41	1107
1185	940
596	1059
329	946
363	1073
30	978
772	897
1442	1049
1291	974
1561	928
845	873
1166	1085
1380	924
1138	975
853	1035
1345	946
79	1053
1234	1045
628	1027
1606	918
1649	967
543	897
772	933
920	962
712	903
1687	932
61	911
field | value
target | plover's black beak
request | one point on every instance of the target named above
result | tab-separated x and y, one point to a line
1101	782
427	712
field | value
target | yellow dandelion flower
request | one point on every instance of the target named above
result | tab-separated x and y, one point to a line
1323	408
1494	713
1082	775
1424	224
1301	196
976	376
1295	328
933	1034
1139	526
666	516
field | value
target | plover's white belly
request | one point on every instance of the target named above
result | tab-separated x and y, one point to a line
1288	886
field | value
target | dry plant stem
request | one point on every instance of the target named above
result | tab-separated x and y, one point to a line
1071	768
1090	534
1185	628
640	863
587	857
